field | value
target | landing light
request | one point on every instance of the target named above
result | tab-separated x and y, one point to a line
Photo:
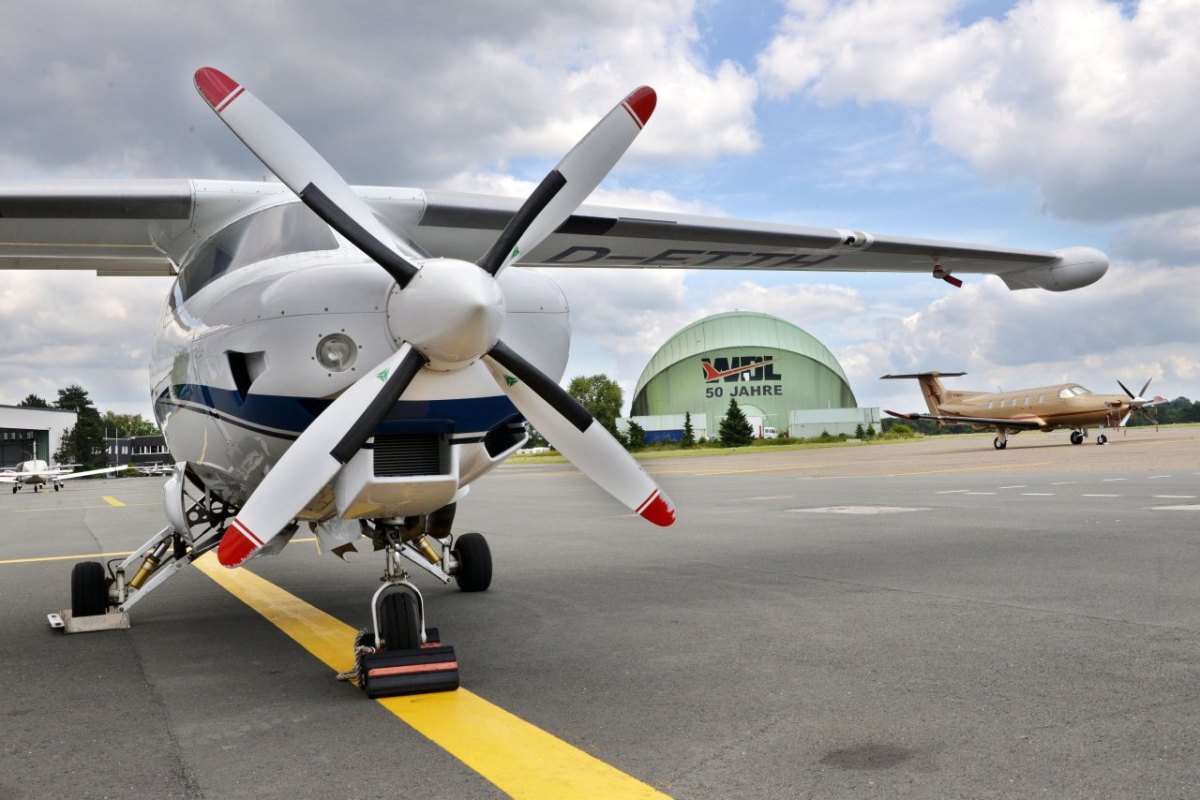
336	352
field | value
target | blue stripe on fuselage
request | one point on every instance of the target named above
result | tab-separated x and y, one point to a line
294	414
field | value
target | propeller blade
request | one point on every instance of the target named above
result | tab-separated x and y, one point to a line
1126	388
303	170
1142	393
569	184
1125	419
577	435
315	458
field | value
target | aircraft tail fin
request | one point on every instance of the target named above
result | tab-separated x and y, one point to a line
931	387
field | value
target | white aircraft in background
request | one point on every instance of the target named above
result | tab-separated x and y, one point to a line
351	359
37	473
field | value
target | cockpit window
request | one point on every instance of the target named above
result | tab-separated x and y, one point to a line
1079	390
1064	394
270	233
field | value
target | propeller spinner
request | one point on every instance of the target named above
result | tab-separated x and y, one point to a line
449	315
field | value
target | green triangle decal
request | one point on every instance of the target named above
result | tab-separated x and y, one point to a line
383	374
510	380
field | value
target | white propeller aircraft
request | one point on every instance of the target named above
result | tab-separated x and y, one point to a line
38	473
352	358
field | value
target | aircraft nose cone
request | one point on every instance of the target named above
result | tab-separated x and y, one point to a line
451	312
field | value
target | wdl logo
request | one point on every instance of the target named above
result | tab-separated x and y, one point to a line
753	370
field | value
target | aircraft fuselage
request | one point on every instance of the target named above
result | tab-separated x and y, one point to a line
236	375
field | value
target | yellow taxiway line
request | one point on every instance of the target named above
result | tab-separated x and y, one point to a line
112	501
517	757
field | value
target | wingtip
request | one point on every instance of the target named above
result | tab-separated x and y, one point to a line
641	103
215	86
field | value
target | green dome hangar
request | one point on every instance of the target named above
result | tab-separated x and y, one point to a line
781	376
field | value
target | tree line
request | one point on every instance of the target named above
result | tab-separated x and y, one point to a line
83	443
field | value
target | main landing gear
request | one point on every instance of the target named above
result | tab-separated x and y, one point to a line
102	596
401	654
1078	436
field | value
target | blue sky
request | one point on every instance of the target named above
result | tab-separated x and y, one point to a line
1034	124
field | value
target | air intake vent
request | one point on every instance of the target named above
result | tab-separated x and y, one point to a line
403	455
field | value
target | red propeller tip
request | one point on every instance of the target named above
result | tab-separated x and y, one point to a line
658	509
217	88
237	545
640	104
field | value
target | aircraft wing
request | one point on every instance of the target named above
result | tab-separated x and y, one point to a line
66	476
597	236
147	227
1020	424
118	227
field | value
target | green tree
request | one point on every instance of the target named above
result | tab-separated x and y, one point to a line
33	401
870	430
83	443
128	425
689	432
635	437
735	430
859	433
601	396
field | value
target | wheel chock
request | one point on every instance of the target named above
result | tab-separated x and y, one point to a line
416	671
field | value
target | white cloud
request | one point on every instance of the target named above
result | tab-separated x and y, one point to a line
390	94
1136	324
1095	106
65	328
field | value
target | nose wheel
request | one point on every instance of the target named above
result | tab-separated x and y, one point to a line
399	654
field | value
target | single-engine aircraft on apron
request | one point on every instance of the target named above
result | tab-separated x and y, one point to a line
350	359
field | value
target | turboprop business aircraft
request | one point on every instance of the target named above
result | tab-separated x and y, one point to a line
1045	408
351	359
38	473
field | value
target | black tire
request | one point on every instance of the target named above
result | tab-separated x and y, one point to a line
474	562
1102	439
399	623
89	595
999	445
57	487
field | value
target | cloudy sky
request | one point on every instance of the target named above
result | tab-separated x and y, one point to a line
1041	124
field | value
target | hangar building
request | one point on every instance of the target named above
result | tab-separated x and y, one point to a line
780	375
24	429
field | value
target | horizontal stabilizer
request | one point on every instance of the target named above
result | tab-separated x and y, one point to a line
918	375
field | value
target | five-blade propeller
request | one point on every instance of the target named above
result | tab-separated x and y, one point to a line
342	429
1139	402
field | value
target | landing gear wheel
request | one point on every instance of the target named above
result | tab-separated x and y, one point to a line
15	489
57	486
474	562
1102	439
399	625
998	444
89	595
1076	437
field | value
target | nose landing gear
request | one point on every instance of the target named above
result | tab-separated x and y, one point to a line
400	654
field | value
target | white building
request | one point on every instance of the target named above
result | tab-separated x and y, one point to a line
31	433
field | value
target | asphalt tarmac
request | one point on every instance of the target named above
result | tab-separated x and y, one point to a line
926	620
